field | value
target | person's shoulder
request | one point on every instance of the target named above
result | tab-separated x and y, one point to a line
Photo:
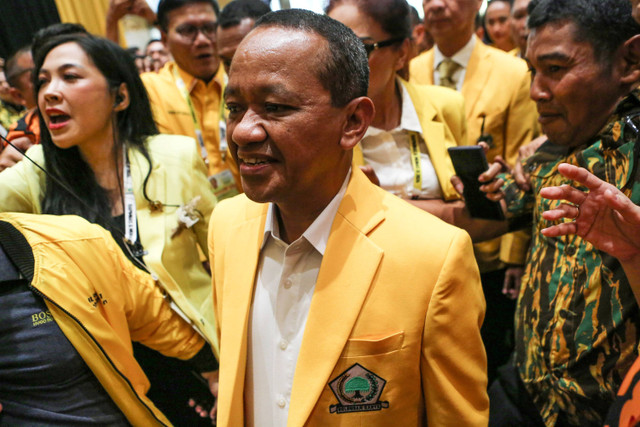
174	149
406	223
421	67
163	77
502	61
39	228
240	206
423	58
234	212
166	142
438	96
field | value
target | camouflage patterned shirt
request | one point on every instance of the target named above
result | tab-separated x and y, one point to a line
577	321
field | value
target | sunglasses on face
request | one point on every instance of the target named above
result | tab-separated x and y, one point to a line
370	47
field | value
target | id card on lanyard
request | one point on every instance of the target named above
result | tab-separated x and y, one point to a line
182	87
130	223
223	183
414	146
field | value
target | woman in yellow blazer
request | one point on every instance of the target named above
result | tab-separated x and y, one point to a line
106	163
411	121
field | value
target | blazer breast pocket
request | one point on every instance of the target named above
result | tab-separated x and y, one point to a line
373	345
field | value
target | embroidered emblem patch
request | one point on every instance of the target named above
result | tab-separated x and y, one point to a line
357	390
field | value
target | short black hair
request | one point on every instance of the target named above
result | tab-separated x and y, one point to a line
605	24
414	17
44	34
132	126
510	2
394	16
12	69
345	71
233	13
150	42
166	6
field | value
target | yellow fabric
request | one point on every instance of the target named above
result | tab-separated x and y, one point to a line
496	90
515	52
90	13
441	115
172	114
74	260
496	86
177	177
405	324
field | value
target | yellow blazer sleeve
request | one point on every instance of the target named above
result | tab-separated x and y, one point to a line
22	185
453	361
514	247
151	320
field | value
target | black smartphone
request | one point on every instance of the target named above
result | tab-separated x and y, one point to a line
469	162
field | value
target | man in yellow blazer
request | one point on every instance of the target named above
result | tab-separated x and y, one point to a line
339	303
495	87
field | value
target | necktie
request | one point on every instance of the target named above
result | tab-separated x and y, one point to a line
447	68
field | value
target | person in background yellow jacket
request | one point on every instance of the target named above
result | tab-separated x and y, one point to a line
69	279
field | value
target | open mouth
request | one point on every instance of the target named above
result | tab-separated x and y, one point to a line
57	119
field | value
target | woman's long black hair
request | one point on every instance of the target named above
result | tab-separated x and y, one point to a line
132	127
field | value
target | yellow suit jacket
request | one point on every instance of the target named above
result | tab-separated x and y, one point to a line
398	293
496	91
75	260
441	114
178	176
496	88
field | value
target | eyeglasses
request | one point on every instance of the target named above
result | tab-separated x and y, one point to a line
190	32
370	47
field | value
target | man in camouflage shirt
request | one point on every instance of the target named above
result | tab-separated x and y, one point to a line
577	321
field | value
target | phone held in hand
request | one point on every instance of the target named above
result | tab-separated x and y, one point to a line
469	162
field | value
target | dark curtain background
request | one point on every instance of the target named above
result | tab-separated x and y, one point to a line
19	19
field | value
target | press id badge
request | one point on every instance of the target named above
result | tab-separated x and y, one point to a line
223	185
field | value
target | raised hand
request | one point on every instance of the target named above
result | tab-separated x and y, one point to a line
603	215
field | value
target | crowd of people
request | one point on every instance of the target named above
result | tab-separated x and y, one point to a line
256	221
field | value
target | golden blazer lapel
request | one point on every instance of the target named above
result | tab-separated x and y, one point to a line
476	77
239	264
348	269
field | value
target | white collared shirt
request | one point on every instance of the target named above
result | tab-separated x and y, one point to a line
461	57
285	282
389	153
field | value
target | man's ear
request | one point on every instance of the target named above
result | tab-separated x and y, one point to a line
631	59
163	37
360	112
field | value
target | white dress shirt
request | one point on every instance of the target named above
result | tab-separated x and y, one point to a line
285	281
461	57
389	153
